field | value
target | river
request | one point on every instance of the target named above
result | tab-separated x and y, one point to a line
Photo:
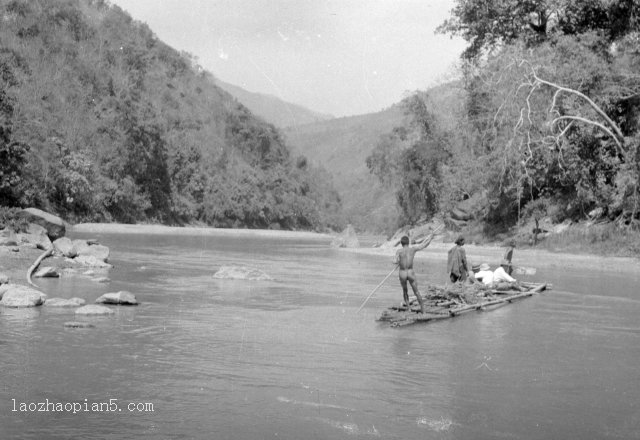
204	358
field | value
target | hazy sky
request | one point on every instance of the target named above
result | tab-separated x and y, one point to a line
341	57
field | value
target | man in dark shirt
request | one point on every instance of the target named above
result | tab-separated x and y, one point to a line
457	265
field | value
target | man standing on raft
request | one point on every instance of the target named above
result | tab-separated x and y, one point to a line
404	260
457	265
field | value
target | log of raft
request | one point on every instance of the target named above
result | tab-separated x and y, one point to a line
436	310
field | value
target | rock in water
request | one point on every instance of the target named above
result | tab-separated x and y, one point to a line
101	280
47	272
15	295
91	261
64	302
123	298
78	324
93	309
84	248
241	273
346	239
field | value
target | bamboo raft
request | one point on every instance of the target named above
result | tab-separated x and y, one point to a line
449	302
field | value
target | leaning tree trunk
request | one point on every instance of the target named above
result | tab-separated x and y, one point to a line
36	263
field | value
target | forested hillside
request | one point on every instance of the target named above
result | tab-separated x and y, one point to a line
549	121
101	121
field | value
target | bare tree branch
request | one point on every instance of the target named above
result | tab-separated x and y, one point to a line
588	121
619	136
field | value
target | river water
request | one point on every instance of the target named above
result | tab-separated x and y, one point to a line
291	359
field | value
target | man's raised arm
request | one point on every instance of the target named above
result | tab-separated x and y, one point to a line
427	240
424	243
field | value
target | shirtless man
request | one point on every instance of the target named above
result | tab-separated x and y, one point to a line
404	260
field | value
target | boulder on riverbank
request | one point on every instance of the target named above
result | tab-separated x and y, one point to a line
122	298
94	309
35	235
17	296
346	239
466	211
54	225
241	273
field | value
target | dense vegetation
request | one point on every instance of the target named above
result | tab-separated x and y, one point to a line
549	124
101	121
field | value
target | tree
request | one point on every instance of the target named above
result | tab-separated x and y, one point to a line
12	153
491	24
555	123
411	158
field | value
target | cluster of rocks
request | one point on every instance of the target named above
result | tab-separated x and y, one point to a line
47	232
20	296
42	227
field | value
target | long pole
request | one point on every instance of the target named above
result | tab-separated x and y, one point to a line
377	287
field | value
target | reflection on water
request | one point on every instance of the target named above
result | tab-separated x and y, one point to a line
290	358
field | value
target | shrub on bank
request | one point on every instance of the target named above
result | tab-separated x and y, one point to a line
9	219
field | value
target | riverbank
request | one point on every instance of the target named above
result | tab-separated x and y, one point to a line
119	228
535	258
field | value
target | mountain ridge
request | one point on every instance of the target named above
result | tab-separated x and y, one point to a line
272	109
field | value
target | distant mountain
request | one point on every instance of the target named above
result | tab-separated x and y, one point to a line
272	109
341	146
